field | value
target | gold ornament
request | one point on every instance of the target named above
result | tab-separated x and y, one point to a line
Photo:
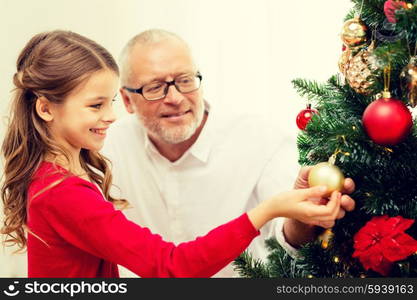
354	33
408	79
344	60
358	71
326	174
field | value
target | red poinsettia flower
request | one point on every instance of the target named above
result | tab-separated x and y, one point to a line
390	7
382	241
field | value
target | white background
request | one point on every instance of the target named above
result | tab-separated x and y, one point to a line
248	50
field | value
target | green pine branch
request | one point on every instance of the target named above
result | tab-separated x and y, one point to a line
249	267
310	89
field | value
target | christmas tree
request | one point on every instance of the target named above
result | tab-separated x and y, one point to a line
361	123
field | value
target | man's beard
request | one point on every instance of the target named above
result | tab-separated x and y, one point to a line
176	134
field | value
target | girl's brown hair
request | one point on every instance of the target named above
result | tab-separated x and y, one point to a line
51	65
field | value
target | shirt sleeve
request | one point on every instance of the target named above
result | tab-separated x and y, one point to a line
86	220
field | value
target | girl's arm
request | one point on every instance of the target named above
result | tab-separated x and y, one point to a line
79	214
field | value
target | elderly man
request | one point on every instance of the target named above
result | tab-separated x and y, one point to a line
185	166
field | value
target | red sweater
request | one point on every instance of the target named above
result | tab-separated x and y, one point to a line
84	236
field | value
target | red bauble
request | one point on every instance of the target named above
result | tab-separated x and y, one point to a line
387	121
305	116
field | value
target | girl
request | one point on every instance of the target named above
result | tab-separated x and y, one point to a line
56	185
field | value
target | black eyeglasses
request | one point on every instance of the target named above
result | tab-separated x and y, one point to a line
158	90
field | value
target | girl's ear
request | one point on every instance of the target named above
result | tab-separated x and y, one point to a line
44	109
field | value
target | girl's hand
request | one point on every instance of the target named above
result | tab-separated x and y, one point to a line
296	204
347	203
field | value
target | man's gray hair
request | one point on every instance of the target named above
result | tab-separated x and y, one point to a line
146	37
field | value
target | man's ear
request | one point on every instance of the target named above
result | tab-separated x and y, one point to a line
44	109
127	102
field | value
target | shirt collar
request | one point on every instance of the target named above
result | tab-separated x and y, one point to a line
202	146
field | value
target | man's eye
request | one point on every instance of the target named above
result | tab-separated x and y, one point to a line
185	80
153	88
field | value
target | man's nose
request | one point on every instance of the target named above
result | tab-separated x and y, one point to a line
173	96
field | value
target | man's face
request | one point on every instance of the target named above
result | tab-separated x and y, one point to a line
176	117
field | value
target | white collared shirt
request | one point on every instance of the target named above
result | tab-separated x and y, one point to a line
236	162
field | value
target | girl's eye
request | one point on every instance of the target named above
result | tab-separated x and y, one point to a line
97	106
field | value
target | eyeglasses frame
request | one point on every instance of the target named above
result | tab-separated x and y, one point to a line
169	83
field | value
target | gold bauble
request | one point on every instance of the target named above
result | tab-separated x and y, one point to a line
326	174
354	33
359	71
344	60
408	79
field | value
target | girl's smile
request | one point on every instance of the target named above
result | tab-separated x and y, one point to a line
99	131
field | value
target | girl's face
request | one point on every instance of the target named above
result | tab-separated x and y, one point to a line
82	119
